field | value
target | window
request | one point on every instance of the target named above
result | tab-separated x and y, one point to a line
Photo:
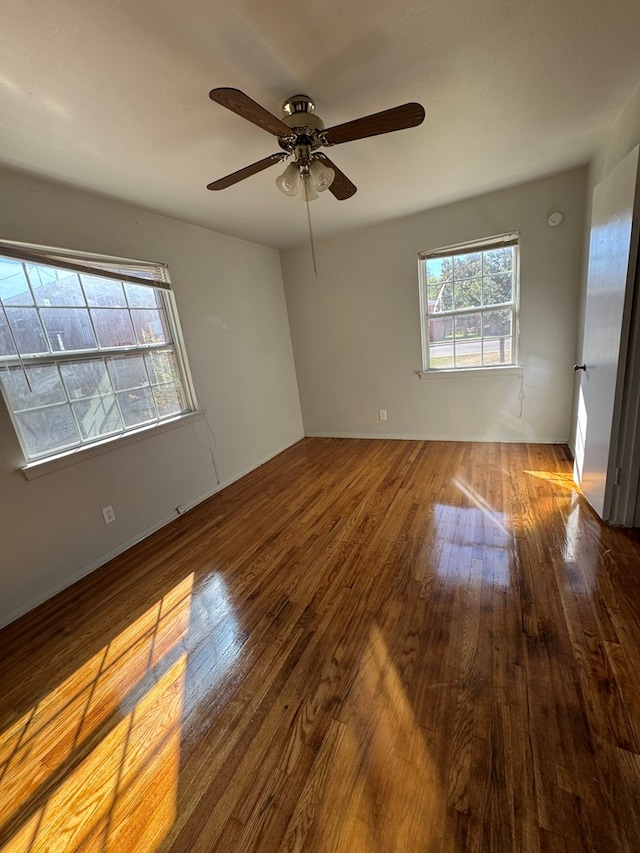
468	297
89	348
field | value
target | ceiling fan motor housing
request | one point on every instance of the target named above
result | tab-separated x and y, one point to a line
299	115
298	104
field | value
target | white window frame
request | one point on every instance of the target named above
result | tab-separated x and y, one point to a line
147	273
482	245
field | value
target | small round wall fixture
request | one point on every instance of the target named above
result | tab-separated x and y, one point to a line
555	219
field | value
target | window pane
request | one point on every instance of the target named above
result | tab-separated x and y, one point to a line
497	323
467	326
149	326
497	350
439	269
440	298
137	406
498	289
433	289
46	386
498	260
49	429
441	357
14	288
468	293
27	330
440	329
128	372
68	328
467	266
99	416
113	327
169	400
162	367
103	292
85	379
7	347
469	353
55	287
140	296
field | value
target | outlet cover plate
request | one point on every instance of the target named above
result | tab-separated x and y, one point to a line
109	514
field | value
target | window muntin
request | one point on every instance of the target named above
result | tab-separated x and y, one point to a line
469	301
84	357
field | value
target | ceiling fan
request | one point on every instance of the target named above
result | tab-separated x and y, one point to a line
300	133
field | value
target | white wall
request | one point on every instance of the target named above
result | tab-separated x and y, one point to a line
356	329
623	135
233	314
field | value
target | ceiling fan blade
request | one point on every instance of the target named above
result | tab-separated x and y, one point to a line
241	174
397	118
243	105
341	187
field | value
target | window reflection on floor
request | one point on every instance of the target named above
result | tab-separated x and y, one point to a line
473	541
104	745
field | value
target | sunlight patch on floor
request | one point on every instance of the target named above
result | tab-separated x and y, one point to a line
379	774
565	481
94	765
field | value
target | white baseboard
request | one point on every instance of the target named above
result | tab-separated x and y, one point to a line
86	569
412	437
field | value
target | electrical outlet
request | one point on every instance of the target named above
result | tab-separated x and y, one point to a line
383	414
109	514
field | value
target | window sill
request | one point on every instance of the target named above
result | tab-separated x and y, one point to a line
462	372
38	468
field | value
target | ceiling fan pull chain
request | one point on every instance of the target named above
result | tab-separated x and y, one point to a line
306	199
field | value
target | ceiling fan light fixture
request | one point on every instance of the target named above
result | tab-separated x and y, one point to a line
307	190
321	176
289	181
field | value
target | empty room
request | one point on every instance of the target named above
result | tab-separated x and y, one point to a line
319	427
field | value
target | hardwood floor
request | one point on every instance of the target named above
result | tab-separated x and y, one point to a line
362	646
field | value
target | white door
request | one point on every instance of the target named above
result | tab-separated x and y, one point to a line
611	270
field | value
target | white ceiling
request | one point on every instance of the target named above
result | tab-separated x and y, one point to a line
113	97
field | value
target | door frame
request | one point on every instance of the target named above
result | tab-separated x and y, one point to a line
622	486
623	501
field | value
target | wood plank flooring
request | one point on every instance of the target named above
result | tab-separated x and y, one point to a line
376	646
